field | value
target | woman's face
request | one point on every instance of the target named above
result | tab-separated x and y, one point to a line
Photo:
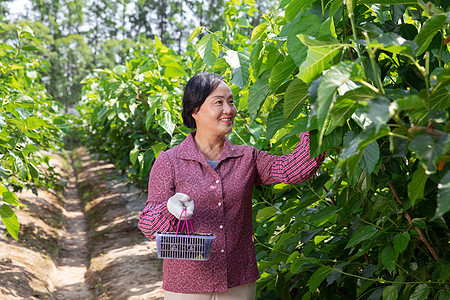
217	113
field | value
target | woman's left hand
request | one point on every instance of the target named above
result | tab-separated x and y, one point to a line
178	203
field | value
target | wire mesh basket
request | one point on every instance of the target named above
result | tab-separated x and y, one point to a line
181	246
191	246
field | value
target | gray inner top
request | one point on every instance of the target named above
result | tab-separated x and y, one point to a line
213	163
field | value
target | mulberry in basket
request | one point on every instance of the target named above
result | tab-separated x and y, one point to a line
189	246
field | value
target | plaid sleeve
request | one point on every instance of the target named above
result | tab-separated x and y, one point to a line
297	166
155	216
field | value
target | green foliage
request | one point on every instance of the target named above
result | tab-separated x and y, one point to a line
376	217
133	112
28	123
369	80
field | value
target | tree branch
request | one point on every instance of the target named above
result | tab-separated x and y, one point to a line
408	217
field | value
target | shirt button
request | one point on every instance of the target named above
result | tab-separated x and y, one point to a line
217	181
220	226
220	203
222	251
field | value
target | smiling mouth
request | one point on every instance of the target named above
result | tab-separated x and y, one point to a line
228	120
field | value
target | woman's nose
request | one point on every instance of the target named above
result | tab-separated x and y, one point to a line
227	108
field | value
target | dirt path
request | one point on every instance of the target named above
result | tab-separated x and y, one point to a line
123	264
69	278
83	243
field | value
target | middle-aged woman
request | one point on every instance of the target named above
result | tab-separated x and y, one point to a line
208	170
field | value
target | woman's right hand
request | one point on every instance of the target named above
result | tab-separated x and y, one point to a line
179	202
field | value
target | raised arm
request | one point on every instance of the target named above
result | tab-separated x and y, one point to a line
290	168
297	166
155	216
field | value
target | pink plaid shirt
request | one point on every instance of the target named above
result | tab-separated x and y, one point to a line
223	206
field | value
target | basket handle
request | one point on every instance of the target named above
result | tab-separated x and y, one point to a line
185	223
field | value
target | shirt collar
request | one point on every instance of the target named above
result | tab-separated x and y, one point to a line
188	150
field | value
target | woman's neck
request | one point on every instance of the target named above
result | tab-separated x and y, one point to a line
210	146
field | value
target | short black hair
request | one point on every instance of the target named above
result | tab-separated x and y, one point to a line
197	89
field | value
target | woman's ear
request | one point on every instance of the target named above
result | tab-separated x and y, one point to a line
194	113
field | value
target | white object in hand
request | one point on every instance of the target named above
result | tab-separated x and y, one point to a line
179	202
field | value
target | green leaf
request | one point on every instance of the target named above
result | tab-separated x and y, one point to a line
371	28
440	95
167	123
323	214
34	172
388	258
27	29
317	278
387	2
280	72
394	43
417	185
401	241
295	7
9	219
30	48
265	213
353	149
333	139
442	269
335	275
243	22
257	94
149	156
258	31
34	122
299	262
11	198
321	55
19	164
377	111
361	235
443	204
419	223
305	24
328	86
174	70
293	256
275	120
2	120
239	62
346	105
370	157
30	148
208	49
134	155
410	103
442	295
120	69
421	292
197	30
428	31
428	151
294	97
364	286
101	114
3	189
390	293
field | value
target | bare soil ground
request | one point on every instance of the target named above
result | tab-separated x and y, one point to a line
83	243
27	266
123	264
